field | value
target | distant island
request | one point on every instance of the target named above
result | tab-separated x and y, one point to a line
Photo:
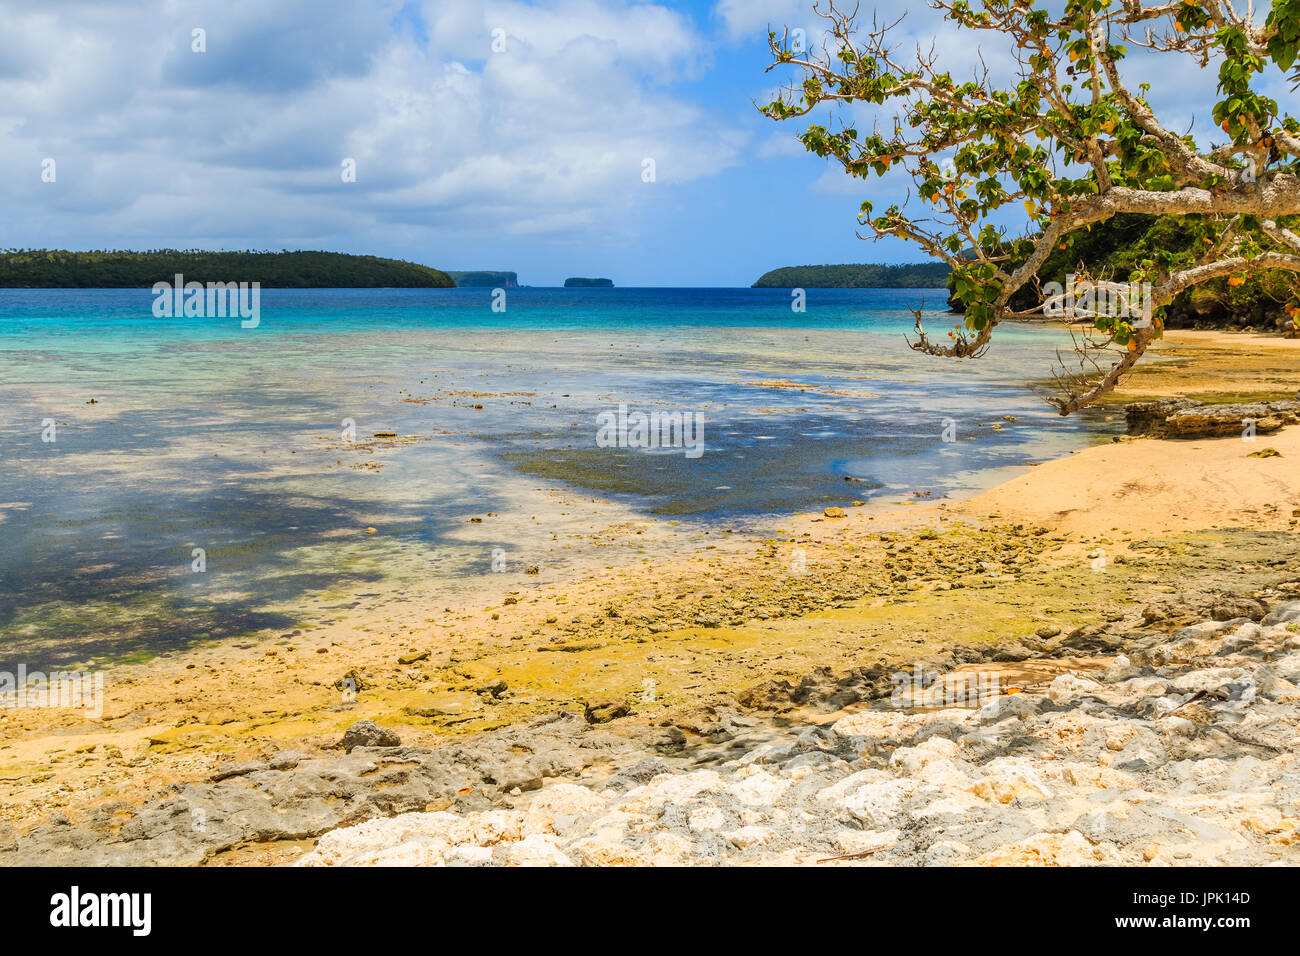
924	275
121	269
580	283
485	279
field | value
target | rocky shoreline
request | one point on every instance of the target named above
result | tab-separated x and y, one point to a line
1181	751
1185	418
1119	743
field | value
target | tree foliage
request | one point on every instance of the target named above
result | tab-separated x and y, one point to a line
1069	140
1118	249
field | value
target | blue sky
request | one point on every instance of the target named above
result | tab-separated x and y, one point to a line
527	158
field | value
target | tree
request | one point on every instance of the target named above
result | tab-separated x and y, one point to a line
1073	143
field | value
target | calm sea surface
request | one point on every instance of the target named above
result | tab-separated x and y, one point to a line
205	480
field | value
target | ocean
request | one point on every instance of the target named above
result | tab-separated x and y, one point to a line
167	481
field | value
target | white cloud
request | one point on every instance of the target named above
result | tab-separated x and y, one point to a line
749	18
781	145
642	35
242	144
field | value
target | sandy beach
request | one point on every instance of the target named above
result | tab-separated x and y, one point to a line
657	640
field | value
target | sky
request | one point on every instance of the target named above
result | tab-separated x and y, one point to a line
483	134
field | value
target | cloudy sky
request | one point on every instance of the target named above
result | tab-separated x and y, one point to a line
527	157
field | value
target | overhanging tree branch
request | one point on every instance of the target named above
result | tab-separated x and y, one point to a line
1067	138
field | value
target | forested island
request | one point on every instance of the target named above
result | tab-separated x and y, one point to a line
577	282
924	275
121	269
485	279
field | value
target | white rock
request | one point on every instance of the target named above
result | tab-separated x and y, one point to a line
1118	734
606	848
880	724
616	820
337	846
558	807
1069	686
1166	705
1282	614
1203	629
1210	768
1008	705
468	853
537	849
1287	666
1178	726
488	828
417	851
758	754
1118	666
1207	679
759	789
948	774
1246	807
1279	688
1052	849
1247	634
877	803
749	836
838	791
958	804
671	788
667	849
1140	687
567	799
706	819
1011	778
1088	777
912	759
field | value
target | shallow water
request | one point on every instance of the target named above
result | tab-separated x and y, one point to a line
202	434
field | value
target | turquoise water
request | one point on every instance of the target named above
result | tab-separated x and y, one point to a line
178	434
